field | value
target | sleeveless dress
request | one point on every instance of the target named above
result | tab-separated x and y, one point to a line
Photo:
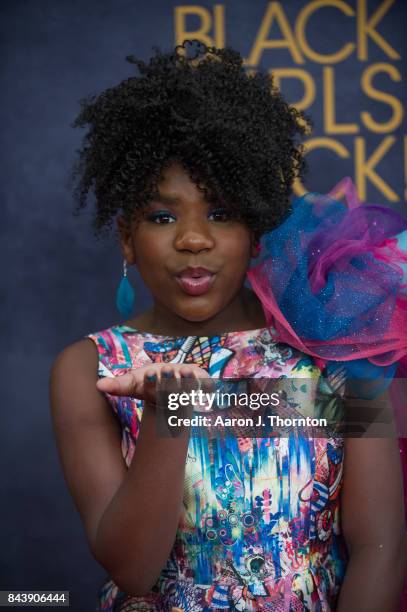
260	527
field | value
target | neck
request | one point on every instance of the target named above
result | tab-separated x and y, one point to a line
243	313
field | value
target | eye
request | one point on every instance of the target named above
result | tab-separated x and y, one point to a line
220	214
161	217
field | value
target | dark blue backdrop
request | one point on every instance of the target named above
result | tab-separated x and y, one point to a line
59	283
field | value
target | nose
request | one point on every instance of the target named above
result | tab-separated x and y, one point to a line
195	237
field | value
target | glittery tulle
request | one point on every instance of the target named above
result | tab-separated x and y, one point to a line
332	280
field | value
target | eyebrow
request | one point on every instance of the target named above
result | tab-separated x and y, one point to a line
174	200
164	199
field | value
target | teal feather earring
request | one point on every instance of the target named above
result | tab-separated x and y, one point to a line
125	294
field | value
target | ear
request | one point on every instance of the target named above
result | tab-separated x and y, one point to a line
126	241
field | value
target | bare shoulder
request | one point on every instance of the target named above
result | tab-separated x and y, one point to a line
82	353
73	378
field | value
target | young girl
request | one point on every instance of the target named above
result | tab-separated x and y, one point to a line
196	160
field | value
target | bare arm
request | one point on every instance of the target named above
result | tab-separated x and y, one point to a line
130	515
373	526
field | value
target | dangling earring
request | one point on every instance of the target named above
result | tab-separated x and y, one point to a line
125	294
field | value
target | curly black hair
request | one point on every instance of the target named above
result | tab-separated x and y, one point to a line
234	134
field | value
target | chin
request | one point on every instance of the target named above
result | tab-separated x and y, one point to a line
201	318
198	315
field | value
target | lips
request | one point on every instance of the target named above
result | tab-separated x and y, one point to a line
195	281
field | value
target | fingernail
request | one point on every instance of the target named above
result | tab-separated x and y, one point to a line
151	377
167	374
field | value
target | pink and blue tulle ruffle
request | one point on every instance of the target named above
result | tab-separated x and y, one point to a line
333	283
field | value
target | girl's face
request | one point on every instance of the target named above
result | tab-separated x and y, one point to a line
190	254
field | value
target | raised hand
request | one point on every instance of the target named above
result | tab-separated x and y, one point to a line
141	383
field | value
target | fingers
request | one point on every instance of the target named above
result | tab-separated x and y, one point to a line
127	385
193	377
141	383
150	379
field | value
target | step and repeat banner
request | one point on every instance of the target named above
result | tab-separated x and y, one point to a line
340	62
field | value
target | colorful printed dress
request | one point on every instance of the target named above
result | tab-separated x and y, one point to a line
260	527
